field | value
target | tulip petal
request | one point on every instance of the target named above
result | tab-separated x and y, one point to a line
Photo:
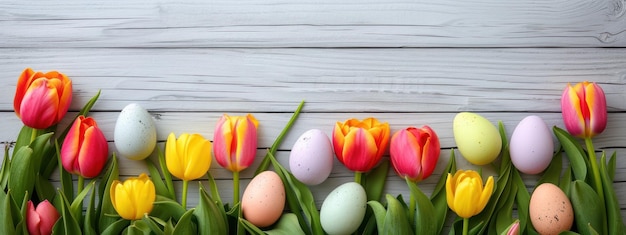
48	215
32	219
39	105
222	140
23	82
172	158
145	193
485	194
246	143
123	203
450	190
198	157
466	196
93	153
338	140
596	101
71	147
405	155
359	152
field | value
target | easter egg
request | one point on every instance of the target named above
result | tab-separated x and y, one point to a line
550	210
477	138
263	200
311	157
531	145
343	209
135	132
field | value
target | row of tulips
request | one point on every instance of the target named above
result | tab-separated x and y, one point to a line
147	204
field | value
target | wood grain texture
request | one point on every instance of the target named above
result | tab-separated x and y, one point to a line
312	23
330	80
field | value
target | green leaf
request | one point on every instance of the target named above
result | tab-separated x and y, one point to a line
553	173
68	223
438	197
574	151
588	207
424	223
5	170
523	203
286	225
89	224
504	214
211	217
166	174
22	175
6	225
612	166
184	225
374	181
106	206
155	176
116	227
154	226
21	227
77	205
138	227
566	181
24	138
214	190
165	208
44	188
380	213
396	220
266	161
251	228
67	186
614	216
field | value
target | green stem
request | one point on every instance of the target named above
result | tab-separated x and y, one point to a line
594	168
357	177
185	187
465	226
81	183
412	205
33	134
235	188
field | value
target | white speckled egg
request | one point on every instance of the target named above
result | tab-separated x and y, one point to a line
477	138
263	200
311	157
135	132
531	145
343	209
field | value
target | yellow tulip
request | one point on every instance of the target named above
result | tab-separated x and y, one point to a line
188	157
465	193
134	198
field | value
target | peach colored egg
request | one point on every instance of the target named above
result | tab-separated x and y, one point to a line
550	210
263	200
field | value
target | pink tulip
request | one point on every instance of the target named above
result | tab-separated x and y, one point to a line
235	141
584	109
41	100
40	220
85	149
414	152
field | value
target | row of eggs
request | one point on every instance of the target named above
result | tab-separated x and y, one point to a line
311	160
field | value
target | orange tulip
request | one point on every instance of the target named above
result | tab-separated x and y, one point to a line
414	152
235	141
584	109
85	149
41	100
359	145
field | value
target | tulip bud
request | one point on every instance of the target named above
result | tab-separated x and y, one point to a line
133	198
41	100
235	141
359	145
465	193
584	109
188	157
85	149
414	152
513	229
40	220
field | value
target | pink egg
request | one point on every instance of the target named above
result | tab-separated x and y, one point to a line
311	157
531	145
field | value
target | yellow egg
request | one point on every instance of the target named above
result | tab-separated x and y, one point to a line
550	210
477	138
263	200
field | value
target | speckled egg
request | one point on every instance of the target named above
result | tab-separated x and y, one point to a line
550	210
531	145
477	138
343	209
135	132
263	200
311	157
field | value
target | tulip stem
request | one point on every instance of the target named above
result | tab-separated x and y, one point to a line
185	187
235	188
594	167
357	177
412	205
81	184
33	134
465	226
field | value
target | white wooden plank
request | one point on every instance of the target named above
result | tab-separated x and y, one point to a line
331	80
328	23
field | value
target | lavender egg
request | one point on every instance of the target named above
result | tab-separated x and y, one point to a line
531	145
311	157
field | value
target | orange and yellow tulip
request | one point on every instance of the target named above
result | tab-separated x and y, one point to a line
359	145
235	141
42	99
85	149
465	193
414	152
584	109
134	198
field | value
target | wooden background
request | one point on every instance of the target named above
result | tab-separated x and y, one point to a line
409	63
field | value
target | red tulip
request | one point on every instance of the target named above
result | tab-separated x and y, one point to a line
235	141
359	145
41	100
584	109
85	149
414	152
40	220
